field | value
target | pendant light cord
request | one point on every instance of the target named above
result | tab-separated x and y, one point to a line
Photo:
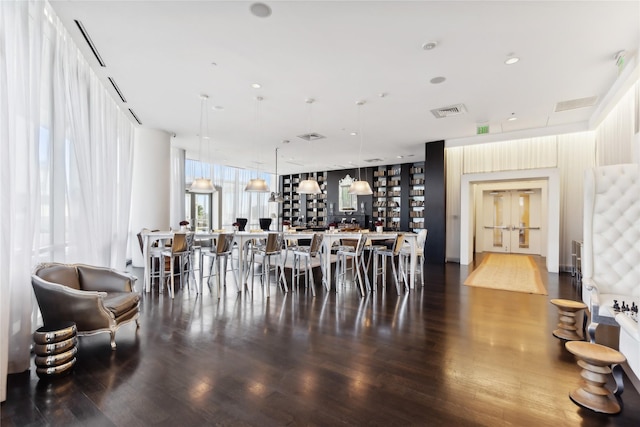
360	104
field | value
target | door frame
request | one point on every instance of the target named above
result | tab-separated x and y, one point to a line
510	187
468	186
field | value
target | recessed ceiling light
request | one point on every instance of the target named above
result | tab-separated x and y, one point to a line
511	60
260	10
399	157
256	85
437	80
353	133
429	45
513	117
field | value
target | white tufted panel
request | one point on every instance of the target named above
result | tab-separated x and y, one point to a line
611	251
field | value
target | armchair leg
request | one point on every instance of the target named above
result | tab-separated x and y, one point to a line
616	371
113	339
592	332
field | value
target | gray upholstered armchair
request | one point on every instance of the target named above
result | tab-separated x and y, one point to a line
97	299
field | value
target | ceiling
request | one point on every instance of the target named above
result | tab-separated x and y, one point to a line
163	55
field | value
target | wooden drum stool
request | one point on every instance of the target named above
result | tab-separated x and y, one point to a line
567	310
595	359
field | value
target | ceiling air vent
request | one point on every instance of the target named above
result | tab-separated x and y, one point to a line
450	111
573	104
311	136
372	160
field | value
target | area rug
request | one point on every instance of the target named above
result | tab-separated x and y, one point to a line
518	273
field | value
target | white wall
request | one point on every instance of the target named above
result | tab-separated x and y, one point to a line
150	192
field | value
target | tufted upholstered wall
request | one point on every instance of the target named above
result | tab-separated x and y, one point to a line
611	249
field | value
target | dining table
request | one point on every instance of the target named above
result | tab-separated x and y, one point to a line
242	239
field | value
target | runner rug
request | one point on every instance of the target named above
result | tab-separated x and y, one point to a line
508	272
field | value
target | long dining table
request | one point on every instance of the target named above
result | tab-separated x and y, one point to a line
329	238
242	238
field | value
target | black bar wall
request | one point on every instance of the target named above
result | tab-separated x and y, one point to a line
434	202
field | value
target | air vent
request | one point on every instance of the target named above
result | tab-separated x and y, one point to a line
372	160
450	111
574	104
294	163
90	43
134	116
117	89
311	136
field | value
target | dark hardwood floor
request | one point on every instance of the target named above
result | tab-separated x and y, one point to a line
445	354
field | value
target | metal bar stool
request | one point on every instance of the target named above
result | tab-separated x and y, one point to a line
273	248
307	253
222	252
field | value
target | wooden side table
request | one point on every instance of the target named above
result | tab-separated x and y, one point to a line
567	310
595	361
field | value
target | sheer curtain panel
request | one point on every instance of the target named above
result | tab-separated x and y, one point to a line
65	166
21	36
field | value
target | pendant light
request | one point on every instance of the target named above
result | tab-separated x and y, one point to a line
309	186
202	184
276	197
359	187
257	185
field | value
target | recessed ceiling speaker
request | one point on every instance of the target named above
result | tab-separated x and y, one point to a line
260	10
429	45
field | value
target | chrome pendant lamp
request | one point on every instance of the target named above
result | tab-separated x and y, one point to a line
276	197
257	185
309	186
360	187
202	184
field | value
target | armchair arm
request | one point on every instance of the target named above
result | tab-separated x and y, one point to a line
104	279
590	294
61	303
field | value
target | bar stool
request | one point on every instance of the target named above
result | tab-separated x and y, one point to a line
155	255
222	252
272	248
383	255
346	252
405	255
179	249
307	253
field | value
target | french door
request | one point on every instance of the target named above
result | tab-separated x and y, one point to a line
511	221
198	211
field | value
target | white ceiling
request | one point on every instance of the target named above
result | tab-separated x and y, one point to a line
160	54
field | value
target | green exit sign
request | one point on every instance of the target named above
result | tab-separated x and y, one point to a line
483	129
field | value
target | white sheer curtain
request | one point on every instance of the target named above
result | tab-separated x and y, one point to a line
20	46
236	203
65	168
615	135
